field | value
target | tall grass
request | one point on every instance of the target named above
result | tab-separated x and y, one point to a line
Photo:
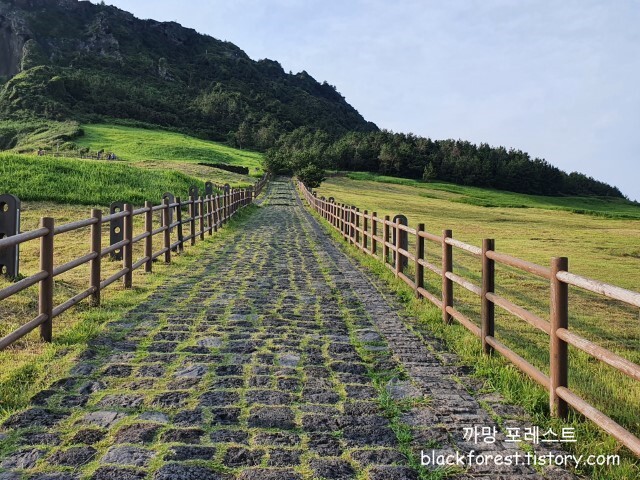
87	182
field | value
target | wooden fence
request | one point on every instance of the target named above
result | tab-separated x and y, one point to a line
361	230
206	215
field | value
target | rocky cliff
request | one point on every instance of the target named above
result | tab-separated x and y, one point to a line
14	33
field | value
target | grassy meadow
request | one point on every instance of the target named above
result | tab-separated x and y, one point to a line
600	237
602	242
142	145
87	182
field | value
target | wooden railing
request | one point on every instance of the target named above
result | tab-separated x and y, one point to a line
361	230
206	215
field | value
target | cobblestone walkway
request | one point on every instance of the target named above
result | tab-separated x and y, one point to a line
275	360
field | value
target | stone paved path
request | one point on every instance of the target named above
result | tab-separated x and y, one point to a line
276	360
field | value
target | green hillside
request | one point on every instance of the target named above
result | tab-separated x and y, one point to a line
137	144
80	61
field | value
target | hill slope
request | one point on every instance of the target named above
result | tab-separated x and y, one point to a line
137	144
76	60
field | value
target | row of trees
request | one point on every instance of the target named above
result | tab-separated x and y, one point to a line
411	156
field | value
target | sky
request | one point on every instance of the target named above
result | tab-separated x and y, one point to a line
557	79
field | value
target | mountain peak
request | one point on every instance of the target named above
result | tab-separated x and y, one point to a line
105	63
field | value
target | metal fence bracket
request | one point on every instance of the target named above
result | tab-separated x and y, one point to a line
9	226
116	229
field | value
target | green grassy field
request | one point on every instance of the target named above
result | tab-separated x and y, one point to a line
140	145
87	182
604	245
481	197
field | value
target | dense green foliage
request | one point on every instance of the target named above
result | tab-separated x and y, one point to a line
301	153
410	156
87	182
89	62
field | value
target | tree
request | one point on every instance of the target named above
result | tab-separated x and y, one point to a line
429	173
311	175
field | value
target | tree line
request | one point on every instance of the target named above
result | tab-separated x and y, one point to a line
415	157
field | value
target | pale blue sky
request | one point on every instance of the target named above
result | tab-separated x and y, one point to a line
558	79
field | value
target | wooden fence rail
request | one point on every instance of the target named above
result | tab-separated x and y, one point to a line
361	230
207	214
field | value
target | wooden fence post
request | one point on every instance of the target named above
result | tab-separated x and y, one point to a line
342	214
210	214
419	268
347	218
221	208
397	244
201	215
356	228
333	215
167	234
234	197
148	242
352	224
374	233
226	206
487	327
192	215
216	212
179	222
559	352
96	263
385	240
127	250
45	300
365	224
447	284
347	221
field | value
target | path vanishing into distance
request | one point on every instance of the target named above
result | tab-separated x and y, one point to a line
277	359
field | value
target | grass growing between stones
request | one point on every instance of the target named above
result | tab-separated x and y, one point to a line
30	366
377	359
498	374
